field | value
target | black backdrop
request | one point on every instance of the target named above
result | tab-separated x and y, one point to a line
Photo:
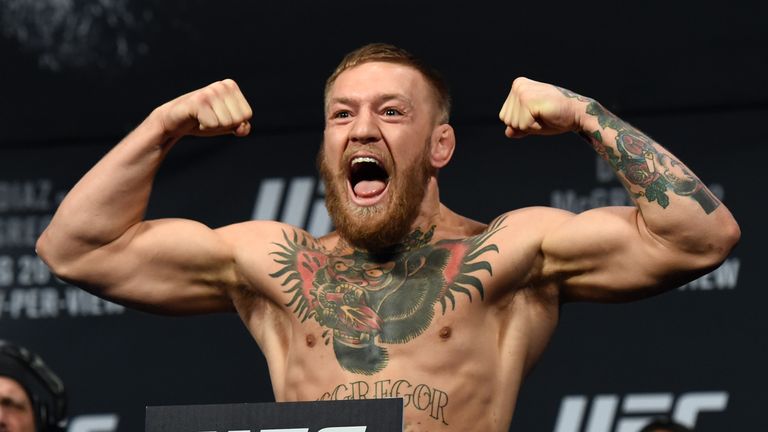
76	76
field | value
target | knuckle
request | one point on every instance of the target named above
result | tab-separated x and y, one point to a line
215	89
229	83
209	91
203	96
519	83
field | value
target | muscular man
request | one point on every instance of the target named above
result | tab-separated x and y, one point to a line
406	298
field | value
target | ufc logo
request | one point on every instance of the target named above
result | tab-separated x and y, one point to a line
93	423
612	413
297	201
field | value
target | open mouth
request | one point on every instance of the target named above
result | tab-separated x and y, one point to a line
368	179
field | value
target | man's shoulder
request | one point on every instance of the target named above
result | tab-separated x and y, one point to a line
262	232
519	234
535	218
538	213
265	250
529	220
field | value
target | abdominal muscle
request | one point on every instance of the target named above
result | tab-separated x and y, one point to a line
459	375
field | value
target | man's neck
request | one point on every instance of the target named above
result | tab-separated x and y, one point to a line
418	237
430	210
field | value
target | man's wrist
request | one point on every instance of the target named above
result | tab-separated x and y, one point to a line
151	135
584	119
156	126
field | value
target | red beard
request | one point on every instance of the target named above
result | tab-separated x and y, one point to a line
385	223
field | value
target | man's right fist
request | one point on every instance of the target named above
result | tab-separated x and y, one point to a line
217	109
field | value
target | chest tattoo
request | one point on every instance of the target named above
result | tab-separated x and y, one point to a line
364	299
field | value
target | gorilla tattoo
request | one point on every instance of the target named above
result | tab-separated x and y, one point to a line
363	299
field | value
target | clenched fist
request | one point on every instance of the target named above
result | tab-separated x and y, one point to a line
536	108
217	109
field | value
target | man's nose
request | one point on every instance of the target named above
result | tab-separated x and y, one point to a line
365	130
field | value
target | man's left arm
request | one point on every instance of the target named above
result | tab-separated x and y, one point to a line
677	230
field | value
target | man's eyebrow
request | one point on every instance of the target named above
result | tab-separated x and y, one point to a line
378	99
11	401
393	96
341	100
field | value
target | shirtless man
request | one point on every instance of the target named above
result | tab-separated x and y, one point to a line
406	298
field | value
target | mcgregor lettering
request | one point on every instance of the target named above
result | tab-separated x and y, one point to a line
421	397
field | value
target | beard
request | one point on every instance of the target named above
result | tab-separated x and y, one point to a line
382	225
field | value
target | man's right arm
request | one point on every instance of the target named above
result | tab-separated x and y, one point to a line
99	240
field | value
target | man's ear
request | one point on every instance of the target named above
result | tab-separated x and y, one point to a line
441	145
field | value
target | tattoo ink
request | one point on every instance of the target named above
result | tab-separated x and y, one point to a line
641	163
421	397
364	299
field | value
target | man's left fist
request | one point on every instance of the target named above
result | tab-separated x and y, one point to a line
536	108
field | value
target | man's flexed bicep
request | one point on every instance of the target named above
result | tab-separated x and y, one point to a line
98	239
677	230
609	255
168	266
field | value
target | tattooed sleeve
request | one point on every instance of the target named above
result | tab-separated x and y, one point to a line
641	164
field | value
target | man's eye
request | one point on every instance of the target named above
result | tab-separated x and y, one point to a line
341	114
10	404
392	112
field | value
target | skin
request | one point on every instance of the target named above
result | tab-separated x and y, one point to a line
15	408
466	364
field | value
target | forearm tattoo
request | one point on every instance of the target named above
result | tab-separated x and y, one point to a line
646	169
364	300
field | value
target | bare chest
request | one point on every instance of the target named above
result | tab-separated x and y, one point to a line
445	375
365	307
437	322
422	323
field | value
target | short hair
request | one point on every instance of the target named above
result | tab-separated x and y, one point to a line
381	52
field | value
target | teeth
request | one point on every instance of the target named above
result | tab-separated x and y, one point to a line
361	159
